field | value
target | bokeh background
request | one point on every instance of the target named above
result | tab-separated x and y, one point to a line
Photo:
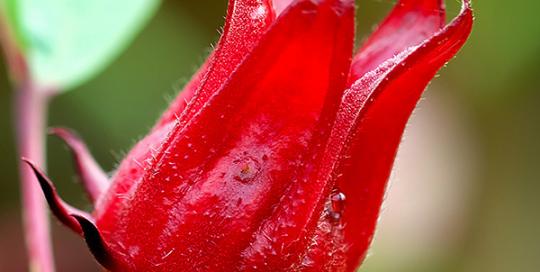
465	192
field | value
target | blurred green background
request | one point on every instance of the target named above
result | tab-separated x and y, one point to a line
465	195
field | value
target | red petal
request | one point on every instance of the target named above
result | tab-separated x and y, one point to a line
219	177
246	22
283	236
408	24
94	180
374	112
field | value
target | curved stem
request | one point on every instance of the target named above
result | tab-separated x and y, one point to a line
30	118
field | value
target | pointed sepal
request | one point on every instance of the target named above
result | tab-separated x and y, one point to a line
94	179
96	244
61	210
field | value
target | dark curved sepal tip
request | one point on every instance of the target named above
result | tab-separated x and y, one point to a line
46	184
95	242
58	207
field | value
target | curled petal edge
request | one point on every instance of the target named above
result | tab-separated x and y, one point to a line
409	23
368	154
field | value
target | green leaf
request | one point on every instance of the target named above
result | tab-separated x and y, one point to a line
66	42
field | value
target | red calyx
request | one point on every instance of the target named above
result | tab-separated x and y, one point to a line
276	155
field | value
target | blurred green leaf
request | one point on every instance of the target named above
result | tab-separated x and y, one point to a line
69	41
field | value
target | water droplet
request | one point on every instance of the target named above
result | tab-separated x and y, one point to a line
338	201
336	206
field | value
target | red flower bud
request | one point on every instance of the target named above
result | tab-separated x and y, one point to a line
276	155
